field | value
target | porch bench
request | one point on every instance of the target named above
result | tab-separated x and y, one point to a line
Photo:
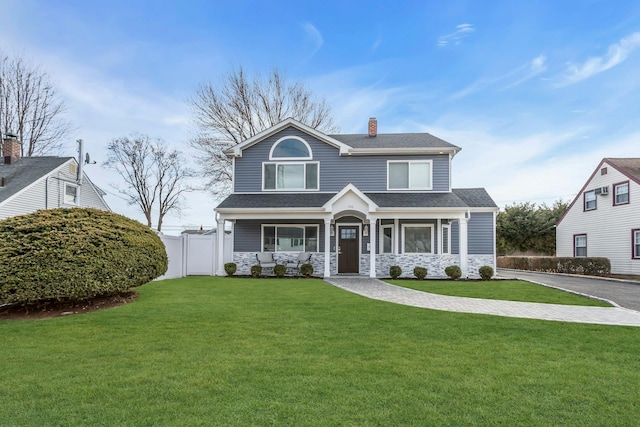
303	258
265	260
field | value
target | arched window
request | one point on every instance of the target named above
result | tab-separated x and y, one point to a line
292	148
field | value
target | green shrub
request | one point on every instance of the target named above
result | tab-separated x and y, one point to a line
74	255
280	270
256	270
306	270
453	271
591	266
420	272
230	268
486	272
395	271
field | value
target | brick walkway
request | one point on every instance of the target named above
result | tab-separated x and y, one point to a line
377	289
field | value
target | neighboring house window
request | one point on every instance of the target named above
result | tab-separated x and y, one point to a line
603	171
621	193
417	238
290	238
635	240
580	245
590	200
386	239
446	239
291	148
70	194
405	175
291	176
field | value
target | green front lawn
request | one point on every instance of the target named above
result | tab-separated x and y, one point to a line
509	290
220	351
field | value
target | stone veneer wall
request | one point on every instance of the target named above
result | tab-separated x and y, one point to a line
244	261
435	264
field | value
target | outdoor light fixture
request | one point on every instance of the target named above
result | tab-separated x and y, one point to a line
332	231
365	230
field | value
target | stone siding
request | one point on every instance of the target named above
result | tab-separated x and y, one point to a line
245	260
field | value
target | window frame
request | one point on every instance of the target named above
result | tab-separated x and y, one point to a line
393	237
304	237
448	228
575	246
275	145
595	200
404	238
409	163
615	195
264	164
64	195
635	243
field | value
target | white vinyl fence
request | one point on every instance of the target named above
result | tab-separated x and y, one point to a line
193	254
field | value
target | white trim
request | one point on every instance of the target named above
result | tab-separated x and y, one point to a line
304	242
381	238
409	187
328	206
448	228
275	144
277	163
404	238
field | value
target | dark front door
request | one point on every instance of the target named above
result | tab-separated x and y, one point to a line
348	245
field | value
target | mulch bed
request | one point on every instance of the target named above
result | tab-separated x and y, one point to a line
55	309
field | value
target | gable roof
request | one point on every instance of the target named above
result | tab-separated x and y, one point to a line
26	171
359	144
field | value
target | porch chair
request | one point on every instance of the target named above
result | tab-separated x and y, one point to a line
265	260
303	258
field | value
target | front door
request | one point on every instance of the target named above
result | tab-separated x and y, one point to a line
348	249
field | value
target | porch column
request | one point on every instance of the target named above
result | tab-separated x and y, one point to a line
463	246
327	247
372	247
220	247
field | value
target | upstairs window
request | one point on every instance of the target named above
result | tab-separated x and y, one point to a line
590	200
290	148
409	175
621	193
580	245
70	194
291	176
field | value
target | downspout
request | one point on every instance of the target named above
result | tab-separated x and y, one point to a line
80	169
46	193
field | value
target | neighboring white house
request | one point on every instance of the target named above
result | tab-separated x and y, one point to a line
604	218
32	183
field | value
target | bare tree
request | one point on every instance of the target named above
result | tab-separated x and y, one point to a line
30	107
156	176
240	107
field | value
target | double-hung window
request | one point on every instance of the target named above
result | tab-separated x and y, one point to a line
635	242
289	168
417	238
290	238
621	193
590	200
580	245
409	175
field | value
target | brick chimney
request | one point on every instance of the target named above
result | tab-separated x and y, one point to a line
373	126
10	148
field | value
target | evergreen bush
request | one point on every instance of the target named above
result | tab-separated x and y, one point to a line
230	268
395	271
75	254
280	270
453	271
486	272
306	270
420	272
256	270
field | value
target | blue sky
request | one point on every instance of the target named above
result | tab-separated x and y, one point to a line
535	93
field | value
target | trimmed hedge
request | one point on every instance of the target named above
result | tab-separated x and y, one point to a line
420	272
486	272
453	271
306	270
395	271
74	255
230	268
583	265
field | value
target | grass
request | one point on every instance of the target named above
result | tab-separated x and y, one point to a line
218	351
509	290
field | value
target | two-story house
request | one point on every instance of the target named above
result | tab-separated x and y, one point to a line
358	203
603	220
32	183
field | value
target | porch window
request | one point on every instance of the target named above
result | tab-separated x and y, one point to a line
290	238
418	238
386	239
580	245
405	175
590	200
291	176
70	194
446	239
621	193
635	238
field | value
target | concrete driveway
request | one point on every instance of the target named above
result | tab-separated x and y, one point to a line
624	293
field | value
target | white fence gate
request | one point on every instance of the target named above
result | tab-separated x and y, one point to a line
193	254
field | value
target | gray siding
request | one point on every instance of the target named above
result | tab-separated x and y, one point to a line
480	233
368	173
247	234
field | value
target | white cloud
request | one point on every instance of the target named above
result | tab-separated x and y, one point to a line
314	35
462	31
617	53
535	67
